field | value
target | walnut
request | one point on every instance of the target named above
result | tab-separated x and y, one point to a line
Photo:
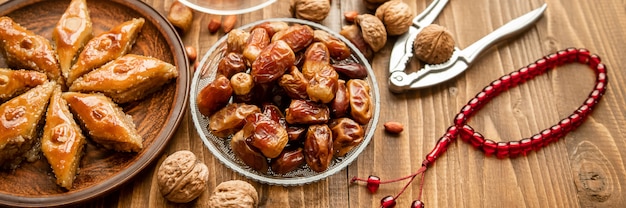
181	177
434	44
397	17
234	194
373	31
313	10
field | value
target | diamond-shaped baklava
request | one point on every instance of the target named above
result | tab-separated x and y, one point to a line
105	47
104	121
19	119
128	78
71	33
15	82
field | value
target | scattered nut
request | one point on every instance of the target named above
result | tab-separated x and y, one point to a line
434	44
235	194
181	177
394	127
350	15
373	31
396	16
313	10
214	25
228	23
191	53
180	16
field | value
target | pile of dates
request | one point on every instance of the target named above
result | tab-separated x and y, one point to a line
287	95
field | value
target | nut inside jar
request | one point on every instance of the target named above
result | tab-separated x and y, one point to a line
300	83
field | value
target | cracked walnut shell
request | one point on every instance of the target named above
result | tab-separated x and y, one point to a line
234	194
373	30
434	44
313	10
396	16
181	177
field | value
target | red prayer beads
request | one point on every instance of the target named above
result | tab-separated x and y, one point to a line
461	129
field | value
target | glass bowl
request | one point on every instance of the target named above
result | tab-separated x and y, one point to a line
206	73
222	7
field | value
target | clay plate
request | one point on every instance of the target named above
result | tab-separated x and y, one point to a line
33	184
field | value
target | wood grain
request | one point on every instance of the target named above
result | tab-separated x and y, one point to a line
583	169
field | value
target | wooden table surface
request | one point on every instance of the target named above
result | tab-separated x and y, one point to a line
584	169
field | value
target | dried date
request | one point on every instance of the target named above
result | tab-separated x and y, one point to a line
272	62
340	105
231	64
360	100
318	147
298	37
288	161
323	86
337	48
265	134
316	57
294	84
236	40
214	96
258	40
307	112
272	27
347	134
247	154
351	70
230	119
242	83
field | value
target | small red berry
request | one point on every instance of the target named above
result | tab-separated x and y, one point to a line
417	204
388	202
373	182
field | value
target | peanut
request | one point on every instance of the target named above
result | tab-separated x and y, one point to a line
228	23
394	127
214	25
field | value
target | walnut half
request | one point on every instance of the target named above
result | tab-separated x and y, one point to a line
181	177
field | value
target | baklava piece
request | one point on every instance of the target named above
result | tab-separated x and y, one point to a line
24	49
128	78
105	47
16	82
71	33
19	119
62	142
104	121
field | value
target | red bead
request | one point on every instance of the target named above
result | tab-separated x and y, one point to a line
576	120
466	133
497	86
490	91
459	120
595	94
475	103
591	102
525	74
601	68
514	149
525	146
373	182
566	125
533	71
502	150
477	140
557	132
547	136
583	110
467	110
440	148
601	77
452	132
562	58
482	96
583	56
600	86
489	147
516	78
388	202
552	60
417	204
506	81
536	141
542	65
594	60
572	54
